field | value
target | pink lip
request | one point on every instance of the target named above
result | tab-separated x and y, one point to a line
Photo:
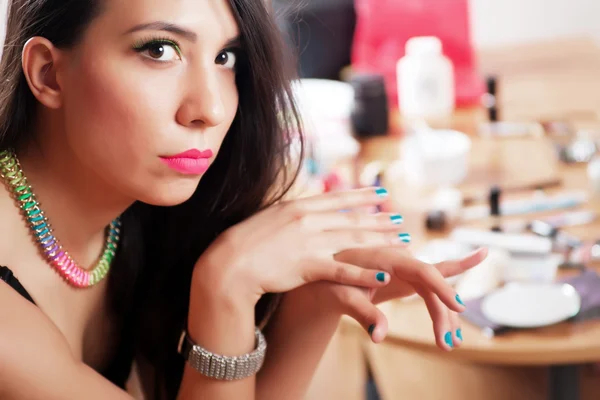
191	162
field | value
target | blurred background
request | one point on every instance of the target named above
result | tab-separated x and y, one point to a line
493	23
481	119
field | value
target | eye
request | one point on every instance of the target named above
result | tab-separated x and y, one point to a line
159	50
226	58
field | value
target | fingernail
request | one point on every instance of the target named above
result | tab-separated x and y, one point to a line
448	339
405	237
396	219
371	329
474	252
459	300
380	276
459	334
381	192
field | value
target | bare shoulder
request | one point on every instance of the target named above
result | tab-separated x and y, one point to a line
27	337
22	320
36	361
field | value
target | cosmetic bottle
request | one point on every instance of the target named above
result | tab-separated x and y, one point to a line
426	83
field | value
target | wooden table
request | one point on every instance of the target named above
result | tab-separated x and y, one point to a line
559	80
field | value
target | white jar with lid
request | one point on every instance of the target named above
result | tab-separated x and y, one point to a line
426	82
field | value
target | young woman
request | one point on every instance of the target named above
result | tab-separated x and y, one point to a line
143	148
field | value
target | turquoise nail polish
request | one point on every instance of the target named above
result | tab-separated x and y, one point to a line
381	192
396	219
459	334
405	237
459	300
448	339
380	276
371	329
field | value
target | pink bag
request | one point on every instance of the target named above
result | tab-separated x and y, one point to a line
384	26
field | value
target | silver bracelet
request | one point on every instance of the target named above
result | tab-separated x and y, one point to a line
223	367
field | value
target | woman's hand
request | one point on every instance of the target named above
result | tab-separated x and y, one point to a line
409	276
291	244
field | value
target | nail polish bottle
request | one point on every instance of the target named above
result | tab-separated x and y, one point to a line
370	111
496	127
494	199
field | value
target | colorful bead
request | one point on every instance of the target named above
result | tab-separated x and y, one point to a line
58	258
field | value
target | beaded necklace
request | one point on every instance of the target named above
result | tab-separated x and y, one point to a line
57	257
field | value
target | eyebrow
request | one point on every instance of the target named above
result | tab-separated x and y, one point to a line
177	30
165	26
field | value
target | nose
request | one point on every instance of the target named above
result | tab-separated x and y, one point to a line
202	105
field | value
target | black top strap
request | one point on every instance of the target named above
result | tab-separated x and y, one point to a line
7	276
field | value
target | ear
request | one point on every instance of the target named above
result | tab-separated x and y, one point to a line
39	61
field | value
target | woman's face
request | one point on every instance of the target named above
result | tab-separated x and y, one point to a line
149	94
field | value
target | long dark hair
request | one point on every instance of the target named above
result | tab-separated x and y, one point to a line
149	284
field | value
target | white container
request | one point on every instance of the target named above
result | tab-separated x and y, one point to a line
325	108
533	268
436	157
593	171
426	82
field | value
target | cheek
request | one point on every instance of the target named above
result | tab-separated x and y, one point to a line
116	110
230	99
121	117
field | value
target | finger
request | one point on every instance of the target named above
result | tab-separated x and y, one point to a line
382	258
457	338
346	274
334	220
439	317
407	268
433	277
456	267
433	280
337	241
358	306
341	200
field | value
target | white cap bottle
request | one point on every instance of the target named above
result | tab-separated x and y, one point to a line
426	82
